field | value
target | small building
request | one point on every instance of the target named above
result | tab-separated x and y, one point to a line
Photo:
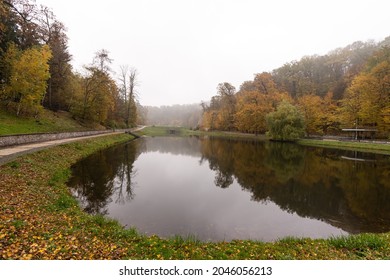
360	133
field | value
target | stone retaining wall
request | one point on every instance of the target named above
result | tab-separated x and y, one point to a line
11	140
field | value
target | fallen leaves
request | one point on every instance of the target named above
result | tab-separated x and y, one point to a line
29	227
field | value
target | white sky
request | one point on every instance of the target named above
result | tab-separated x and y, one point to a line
182	49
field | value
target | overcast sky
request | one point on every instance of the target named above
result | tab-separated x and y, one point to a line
182	49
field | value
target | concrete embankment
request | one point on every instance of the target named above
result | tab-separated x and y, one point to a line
12	140
36	142
12	146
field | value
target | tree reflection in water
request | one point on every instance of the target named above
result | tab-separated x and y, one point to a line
318	183
97	178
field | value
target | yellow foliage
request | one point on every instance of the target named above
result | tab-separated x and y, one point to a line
253	106
320	113
367	101
29	72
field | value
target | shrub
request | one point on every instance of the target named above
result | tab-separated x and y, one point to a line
286	123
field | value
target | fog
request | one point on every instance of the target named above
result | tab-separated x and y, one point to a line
183	49
175	115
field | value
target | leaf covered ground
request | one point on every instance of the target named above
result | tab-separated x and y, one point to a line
39	219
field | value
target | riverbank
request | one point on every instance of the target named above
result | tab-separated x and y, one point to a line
154	131
374	147
380	148
41	220
48	122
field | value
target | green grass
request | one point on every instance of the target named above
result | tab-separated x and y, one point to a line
163	131
359	242
48	121
356	146
18	224
64	202
180	131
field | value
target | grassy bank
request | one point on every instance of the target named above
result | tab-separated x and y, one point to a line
344	145
48	121
41	220
180	131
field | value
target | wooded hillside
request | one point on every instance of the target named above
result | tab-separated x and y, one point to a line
347	88
35	71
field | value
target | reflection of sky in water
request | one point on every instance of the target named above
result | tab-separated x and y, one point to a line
175	195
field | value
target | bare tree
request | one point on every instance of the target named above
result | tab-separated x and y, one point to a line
102	61
123	79
129	83
131	104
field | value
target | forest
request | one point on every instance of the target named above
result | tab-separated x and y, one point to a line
36	71
347	88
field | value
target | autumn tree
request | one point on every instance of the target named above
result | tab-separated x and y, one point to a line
28	74
311	107
96	98
330	122
227	99
320	113
7	26
210	114
102	61
26	26
378	68
319	75
131	114
128	83
367	101
252	107
286	123
264	83
3	14
255	100
100	99
53	34
8	36
32	39
98	91
23	23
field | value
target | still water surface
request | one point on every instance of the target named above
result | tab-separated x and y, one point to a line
218	189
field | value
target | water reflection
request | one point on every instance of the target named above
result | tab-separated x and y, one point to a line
105	177
220	189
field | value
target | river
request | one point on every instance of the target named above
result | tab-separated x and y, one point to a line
216	189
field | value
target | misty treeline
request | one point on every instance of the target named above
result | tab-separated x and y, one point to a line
347	88
35	71
175	115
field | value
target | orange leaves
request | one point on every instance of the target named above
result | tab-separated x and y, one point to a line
311	107
367	99
265	84
31	228
253	106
